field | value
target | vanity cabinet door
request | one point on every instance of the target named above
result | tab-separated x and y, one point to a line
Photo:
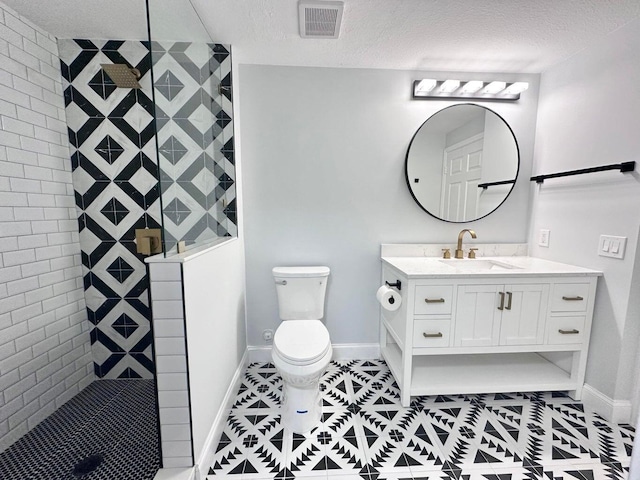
523	314
477	316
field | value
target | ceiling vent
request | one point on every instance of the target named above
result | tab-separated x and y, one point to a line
320	19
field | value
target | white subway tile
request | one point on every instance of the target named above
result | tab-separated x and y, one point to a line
19	420
19	257
57	353
10	65
172	381
46	43
38	294
174	416
23	57
175	432
31	117
56	213
166	291
171	364
17	126
9	139
170	346
61	151
11	169
31	241
51	71
45	108
51	136
9	274
11	229
40	200
25	185
11	408
163	272
53	303
20	358
176	448
7	244
41	320
20	27
177	462
61	263
21	286
47	226
21	315
45	345
16	155
167	309
18	388
9	334
10	303
6	214
8	94
34	145
27	87
7	109
41	80
168	328
173	399
45	253
29	213
7	350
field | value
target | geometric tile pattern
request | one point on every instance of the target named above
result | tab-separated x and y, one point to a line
195	138
366	434
115	179
113	419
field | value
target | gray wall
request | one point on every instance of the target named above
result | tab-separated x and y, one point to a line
588	116
323	181
45	355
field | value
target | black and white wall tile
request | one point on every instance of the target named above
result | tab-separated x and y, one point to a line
195	138
115	178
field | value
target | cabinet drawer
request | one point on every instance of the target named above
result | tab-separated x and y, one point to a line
431	333
433	299
570	297
565	330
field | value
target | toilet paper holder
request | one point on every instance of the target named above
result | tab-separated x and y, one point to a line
397	284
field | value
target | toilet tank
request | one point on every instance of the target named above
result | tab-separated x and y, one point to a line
301	292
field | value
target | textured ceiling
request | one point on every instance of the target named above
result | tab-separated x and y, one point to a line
457	35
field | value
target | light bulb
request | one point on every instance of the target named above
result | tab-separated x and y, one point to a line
473	86
449	86
426	85
494	87
515	88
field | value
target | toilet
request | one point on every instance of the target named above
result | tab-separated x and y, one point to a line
301	345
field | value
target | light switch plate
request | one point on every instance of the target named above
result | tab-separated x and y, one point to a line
543	237
611	246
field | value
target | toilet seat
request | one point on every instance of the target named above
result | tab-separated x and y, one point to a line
301	342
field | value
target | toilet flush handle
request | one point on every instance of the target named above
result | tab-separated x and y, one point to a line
281	282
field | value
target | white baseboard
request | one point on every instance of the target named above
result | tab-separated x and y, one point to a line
208	450
615	411
341	351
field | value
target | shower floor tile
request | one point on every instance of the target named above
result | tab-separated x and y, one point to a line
115	419
366	434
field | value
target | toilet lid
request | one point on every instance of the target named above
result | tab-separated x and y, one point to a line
301	342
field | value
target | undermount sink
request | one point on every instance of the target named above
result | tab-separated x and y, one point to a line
475	265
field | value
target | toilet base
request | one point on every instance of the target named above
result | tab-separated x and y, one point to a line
301	408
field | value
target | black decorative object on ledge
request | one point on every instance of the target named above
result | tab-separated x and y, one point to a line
623	167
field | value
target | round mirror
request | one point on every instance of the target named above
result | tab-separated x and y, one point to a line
462	163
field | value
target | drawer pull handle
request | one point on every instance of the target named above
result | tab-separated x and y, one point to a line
432	335
576	298
501	307
434	300
573	331
509	298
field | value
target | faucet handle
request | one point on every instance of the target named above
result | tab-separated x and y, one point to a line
447	253
472	252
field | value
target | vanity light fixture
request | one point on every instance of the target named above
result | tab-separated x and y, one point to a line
431	89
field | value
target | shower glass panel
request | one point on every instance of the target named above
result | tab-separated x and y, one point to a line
192	96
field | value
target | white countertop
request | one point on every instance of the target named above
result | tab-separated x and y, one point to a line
507	266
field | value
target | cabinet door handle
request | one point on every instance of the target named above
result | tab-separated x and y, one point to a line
509	298
569	299
501	307
434	300
432	335
573	331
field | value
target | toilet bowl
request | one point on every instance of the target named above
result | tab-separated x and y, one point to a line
301	348
301	353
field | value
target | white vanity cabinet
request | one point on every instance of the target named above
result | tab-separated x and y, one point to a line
457	332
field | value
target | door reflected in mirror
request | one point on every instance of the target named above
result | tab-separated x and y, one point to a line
462	163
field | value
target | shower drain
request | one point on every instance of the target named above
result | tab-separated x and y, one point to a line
87	465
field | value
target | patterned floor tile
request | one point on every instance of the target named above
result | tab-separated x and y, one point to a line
366	434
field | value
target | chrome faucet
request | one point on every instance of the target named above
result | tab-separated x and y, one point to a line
459	251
